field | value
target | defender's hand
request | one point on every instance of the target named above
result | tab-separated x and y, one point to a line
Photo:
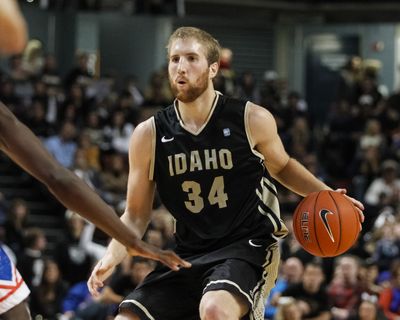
167	257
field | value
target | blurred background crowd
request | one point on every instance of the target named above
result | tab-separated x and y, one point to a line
85	120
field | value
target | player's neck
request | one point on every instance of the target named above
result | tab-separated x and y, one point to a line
195	114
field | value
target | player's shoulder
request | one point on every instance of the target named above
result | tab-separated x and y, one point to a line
257	113
143	133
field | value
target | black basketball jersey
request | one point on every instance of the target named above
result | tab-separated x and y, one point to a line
212	181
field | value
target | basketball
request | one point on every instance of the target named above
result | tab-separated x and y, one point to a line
326	223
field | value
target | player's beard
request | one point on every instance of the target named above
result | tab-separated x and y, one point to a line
193	91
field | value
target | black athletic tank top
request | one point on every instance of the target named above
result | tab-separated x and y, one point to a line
213	182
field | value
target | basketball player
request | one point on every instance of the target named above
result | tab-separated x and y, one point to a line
213	159
22	146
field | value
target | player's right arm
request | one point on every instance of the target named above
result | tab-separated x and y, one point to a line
13	30
139	202
26	150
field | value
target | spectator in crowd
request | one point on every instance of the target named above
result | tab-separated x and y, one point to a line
80	73
387	248
247	88
119	132
368	279
389	299
385	189
50	74
31	262
113	179
369	310
47	296
291	274
132	87
90	151
310	294
288	309
366	168
344	291
270	92
158	92
62	145
17	222
93	127
37	121
372	136
350	76
73	259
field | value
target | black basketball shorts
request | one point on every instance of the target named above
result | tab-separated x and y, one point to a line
247	268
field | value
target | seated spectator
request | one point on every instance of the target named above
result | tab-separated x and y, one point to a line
385	190
93	128
368	278
15	225
80	73
288	309
344	291
77	297
46	298
74	261
62	146
389	299
369	310
387	248
310	294
113	179
247	88
291	273
36	120
119	132
31	262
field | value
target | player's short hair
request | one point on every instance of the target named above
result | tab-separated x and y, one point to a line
210	44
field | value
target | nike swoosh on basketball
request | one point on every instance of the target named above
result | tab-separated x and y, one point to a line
323	213
254	245
164	139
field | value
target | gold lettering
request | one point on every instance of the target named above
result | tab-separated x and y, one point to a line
180	163
170	166
195	161
225	159
210	160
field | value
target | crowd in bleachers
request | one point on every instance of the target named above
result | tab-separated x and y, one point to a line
85	121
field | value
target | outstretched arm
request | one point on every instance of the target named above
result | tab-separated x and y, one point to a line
12	28
25	149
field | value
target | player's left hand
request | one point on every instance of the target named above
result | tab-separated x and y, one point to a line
359	206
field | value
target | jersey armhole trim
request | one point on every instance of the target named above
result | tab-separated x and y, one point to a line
248	131
153	149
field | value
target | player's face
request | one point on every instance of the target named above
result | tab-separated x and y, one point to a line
189	72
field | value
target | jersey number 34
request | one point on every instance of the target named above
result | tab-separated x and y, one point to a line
216	195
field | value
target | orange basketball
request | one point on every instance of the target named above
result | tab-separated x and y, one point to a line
326	223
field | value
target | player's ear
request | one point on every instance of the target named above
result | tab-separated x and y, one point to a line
213	69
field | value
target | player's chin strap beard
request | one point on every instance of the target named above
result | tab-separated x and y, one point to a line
176	102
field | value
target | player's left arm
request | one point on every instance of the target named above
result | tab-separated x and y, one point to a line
285	169
281	166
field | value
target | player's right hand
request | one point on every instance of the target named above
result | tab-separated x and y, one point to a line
167	257
103	269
